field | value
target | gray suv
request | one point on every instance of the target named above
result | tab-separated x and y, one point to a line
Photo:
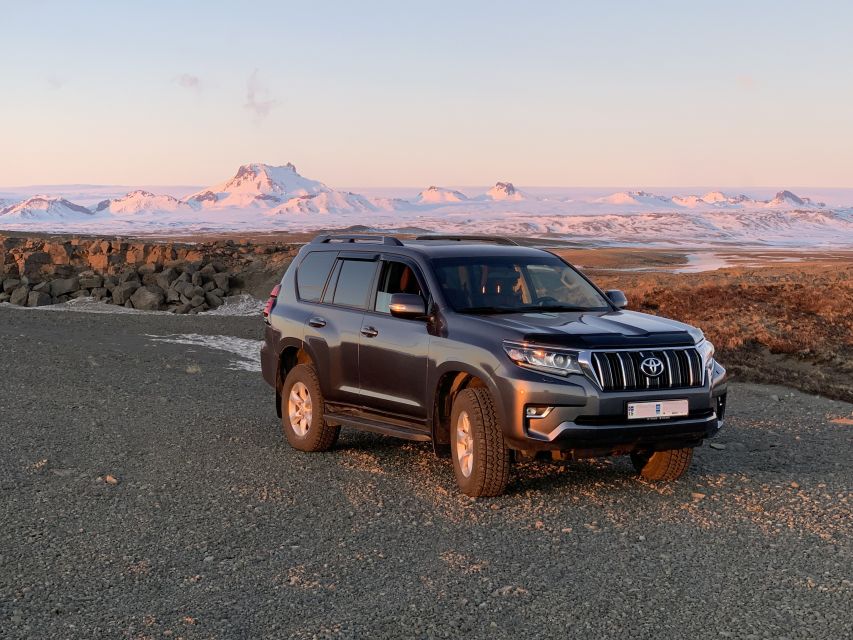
492	351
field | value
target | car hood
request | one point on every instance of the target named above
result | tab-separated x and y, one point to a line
598	329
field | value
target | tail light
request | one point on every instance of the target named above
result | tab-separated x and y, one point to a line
271	302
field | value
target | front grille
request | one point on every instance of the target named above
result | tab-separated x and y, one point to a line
622	370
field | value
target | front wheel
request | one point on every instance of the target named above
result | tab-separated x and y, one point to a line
663	465
480	455
302	411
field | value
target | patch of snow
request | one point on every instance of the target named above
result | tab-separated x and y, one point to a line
241	305
248	352
88	305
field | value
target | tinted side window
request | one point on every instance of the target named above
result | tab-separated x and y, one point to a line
354	283
396	277
313	273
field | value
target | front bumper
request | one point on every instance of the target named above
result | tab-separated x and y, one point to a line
584	418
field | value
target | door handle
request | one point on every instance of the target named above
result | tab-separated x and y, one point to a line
316	321
369	332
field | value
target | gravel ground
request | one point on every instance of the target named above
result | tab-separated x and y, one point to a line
146	492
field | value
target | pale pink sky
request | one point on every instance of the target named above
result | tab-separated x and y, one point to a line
377	93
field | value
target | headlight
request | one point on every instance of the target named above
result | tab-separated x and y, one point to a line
706	350
559	362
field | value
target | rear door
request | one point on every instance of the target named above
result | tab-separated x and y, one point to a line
332	332
393	352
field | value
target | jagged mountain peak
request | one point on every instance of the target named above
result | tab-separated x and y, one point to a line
504	191
788	197
259	185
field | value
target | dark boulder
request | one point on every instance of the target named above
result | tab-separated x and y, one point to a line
166	277
39	299
222	281
19	296
128	275
91	282
64	286
148	298
123	291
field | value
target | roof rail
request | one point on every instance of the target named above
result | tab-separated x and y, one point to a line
367	238
471	238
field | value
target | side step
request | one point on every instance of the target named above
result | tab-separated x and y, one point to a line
375	426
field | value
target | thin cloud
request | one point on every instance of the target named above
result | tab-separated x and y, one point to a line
746	82
258	99
189	81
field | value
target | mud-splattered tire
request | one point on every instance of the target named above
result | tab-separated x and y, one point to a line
302	411
480	456
663	465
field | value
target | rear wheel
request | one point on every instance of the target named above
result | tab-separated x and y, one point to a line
480	455
663	465
302	411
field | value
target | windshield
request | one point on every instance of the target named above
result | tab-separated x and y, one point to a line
510	284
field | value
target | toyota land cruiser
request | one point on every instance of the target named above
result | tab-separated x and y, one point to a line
490	350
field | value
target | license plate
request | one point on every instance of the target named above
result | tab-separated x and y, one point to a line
657	409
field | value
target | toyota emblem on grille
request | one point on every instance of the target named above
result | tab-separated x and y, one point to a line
652	367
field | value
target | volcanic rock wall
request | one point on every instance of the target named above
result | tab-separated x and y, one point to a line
180	277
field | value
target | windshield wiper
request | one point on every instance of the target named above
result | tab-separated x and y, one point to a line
558	307
485	310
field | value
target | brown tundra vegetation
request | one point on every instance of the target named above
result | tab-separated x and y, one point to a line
789	324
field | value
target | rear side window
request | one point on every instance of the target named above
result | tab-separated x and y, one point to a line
313	273
354	283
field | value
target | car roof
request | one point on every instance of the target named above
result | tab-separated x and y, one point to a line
465	248
440	247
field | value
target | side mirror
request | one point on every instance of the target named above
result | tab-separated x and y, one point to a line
407	305
617	298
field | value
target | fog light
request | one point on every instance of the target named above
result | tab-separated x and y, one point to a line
537	412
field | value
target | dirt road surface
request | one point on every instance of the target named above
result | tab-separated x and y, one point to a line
146	492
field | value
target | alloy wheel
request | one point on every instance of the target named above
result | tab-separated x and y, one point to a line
299	409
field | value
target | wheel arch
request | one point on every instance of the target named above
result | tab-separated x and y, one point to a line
450	381
292	354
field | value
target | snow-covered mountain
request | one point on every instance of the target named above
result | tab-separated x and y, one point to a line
713	198
504	191
44	209
636	198
645	201
139	201
435	195
327	202
279	190
259	185
261	197
785	199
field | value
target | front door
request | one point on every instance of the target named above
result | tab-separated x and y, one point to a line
393	352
